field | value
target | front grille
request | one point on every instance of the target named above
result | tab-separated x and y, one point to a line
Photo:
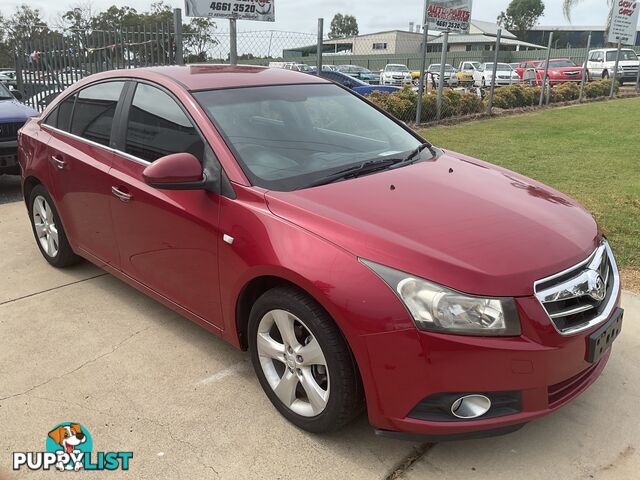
9	131
583	295
564	390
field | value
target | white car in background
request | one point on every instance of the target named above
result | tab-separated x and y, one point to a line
601	64
505	75
396	74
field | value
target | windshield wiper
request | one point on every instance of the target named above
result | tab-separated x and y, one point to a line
371	166
365	167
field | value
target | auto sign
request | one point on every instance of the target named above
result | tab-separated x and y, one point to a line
256	10
449	15
624	21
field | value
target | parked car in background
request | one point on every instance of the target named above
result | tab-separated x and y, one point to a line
395	74
13	115
601	63
450	78
470	67
505	75
361	73
297	67
465	78
329	68
559	70
279	211
355	84
527	65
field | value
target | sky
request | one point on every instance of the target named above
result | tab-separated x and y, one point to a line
372	15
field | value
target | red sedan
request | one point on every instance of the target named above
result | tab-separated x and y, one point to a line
524	66
361	266
559	70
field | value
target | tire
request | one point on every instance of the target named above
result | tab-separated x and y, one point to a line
484	82
48	231
332	375
605	75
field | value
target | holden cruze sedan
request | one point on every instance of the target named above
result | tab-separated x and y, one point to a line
359	264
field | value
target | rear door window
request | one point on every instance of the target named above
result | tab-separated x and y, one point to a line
60	117
94	111
157	126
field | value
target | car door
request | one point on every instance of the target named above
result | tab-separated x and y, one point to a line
596	64
168	239
80	158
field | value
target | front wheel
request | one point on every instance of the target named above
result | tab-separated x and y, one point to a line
47	229
302	361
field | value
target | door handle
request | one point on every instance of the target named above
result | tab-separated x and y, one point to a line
57	162
125	197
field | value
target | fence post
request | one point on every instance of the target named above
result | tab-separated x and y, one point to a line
585	72
19	58
494	72
423	60
177	29
233	42
638	80
546	71
319	51
615	70
443	61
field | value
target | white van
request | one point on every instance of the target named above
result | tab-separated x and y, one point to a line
601	62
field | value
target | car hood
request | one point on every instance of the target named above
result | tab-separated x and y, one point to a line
14	111
457	221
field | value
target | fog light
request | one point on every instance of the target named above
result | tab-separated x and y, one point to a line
470	406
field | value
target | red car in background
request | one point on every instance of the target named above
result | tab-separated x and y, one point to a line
559	70
524	66
361	266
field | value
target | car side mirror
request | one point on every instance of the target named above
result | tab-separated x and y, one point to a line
178	171
17	94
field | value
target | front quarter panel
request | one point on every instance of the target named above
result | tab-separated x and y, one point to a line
263	244
32	153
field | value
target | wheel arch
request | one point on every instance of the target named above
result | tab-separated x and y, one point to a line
28	185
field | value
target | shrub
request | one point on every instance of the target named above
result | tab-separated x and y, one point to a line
401	105
600	88
565	92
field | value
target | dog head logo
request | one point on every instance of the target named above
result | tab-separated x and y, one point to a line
74	441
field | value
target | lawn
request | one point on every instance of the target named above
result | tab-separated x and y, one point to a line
590	152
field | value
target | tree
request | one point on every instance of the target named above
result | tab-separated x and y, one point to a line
198	39
521	16
343	26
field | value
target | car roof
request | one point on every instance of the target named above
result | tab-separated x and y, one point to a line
211	76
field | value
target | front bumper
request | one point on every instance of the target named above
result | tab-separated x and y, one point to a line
8	155
543	369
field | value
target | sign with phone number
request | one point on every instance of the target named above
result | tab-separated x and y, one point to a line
257	10
450	15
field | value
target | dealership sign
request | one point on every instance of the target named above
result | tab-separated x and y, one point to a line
624	22
449	15
258	10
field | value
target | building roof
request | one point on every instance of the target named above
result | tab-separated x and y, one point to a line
457	38
570	28
491	29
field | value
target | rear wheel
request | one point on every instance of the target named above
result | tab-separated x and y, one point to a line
302	361
47	229
605	75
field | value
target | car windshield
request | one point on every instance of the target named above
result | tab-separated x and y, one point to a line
501	67
5	94
287	137
624	55
396	68
561	63
436	68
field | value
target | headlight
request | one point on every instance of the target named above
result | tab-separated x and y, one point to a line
439	309
555	72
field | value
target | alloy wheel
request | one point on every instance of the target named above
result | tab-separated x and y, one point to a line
45	226
293	363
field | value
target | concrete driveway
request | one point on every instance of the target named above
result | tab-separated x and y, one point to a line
79	345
